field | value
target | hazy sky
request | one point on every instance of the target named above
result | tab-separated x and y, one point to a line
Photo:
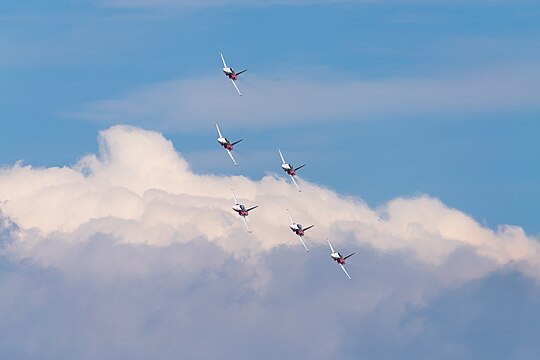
119	241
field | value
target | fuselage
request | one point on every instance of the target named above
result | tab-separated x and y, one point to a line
288	168
338	257
229	72
225	143
240	209
297	229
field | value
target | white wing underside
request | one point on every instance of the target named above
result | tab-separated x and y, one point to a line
290	216
236	87
331	248
302	240
281	156
218	131
294	182
223	59
234	196
232	158
246	223
345	271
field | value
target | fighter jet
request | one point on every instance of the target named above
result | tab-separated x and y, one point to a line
340	259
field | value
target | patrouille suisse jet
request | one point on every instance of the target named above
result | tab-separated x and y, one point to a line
290	169
231	74
242	211
340	259
299	230
227	145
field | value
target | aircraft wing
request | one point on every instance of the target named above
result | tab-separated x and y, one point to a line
236	87
234	195
223	59
331	248
281	156
302	240
290	216
245	222
218	131
295	184
345	271
230	154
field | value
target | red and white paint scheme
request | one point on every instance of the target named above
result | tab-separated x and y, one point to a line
290	169
242	211
231	74
340	259
227	145
299	230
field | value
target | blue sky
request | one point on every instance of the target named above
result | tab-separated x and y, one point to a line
64	54
382	99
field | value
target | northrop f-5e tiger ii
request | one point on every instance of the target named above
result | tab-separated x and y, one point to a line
242	211
299	230
227	145
290	169
340	259
231	74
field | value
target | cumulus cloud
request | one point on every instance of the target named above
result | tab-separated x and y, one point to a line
292	100
136	254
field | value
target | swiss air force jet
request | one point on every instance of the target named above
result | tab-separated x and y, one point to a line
227	145
242	211
231	74
290	169
298	229
340	259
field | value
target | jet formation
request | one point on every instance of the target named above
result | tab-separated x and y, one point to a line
288	168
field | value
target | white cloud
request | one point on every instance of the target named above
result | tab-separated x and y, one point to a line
140	191
270	102
129	254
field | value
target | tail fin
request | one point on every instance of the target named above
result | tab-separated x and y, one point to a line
298	168
348	256
309	227
251	208
236	142
241	72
